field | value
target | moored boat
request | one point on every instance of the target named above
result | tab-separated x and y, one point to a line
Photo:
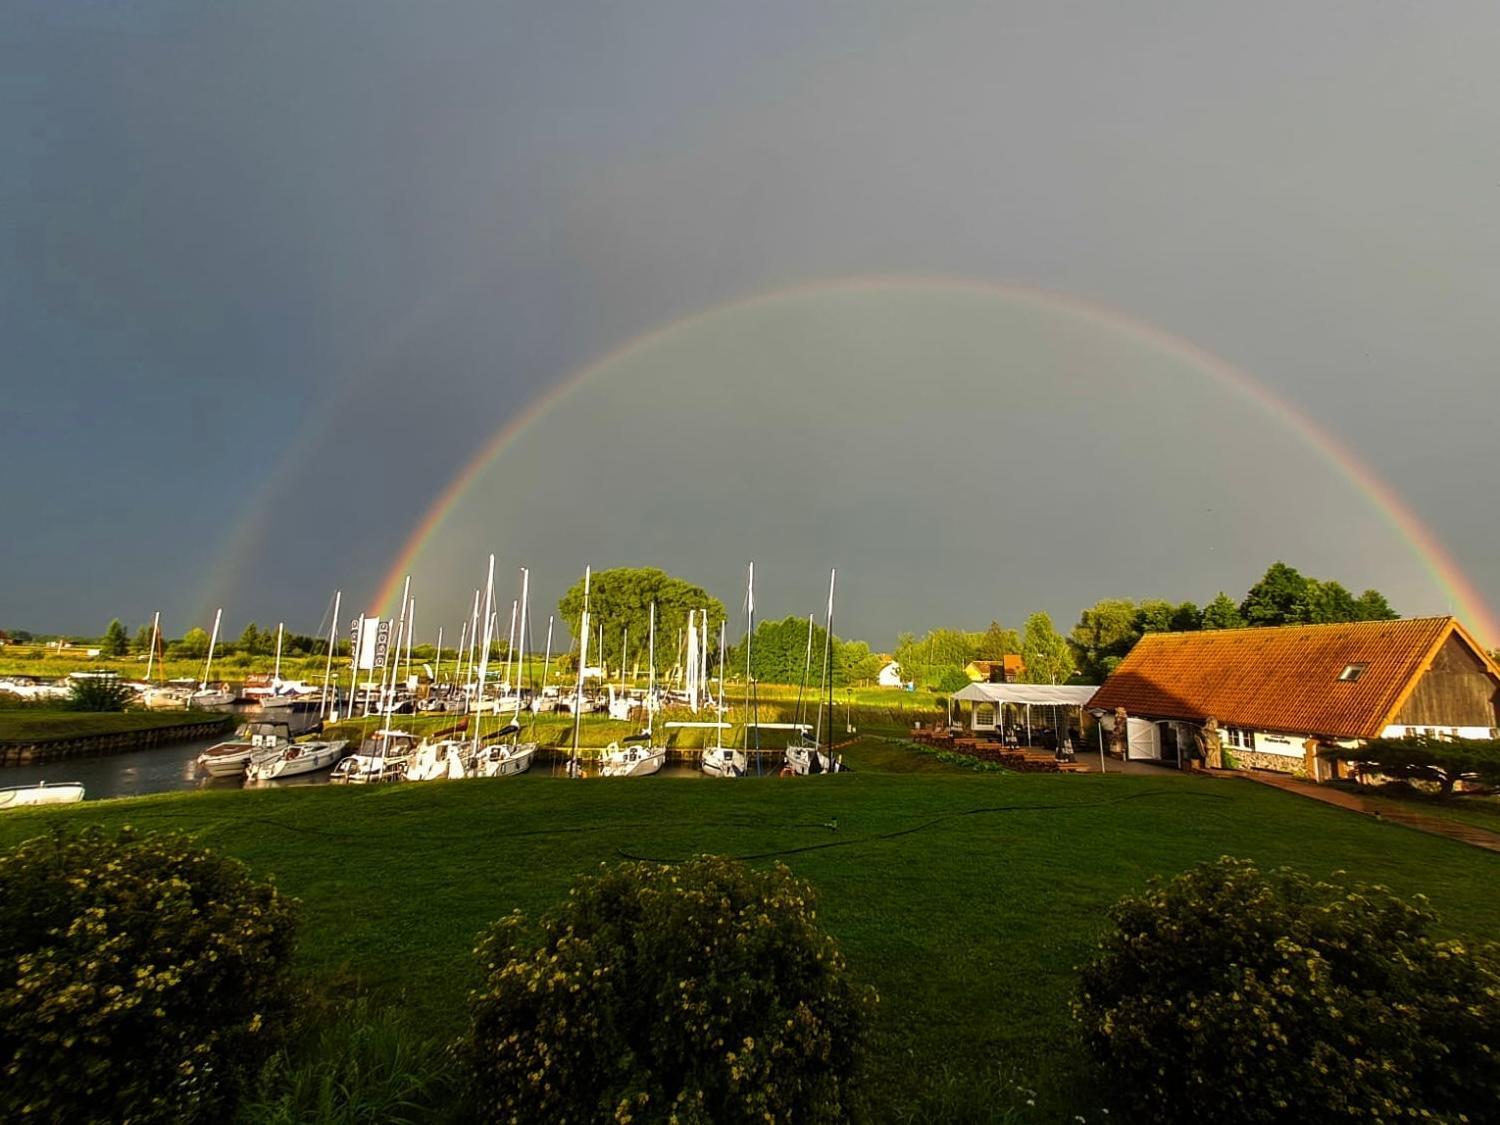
42	793
297	759
382	757
256	742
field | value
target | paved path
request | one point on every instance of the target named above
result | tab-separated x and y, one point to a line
1382	810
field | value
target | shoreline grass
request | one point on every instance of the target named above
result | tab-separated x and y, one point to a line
965	899
29	724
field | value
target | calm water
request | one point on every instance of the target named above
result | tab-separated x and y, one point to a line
165	769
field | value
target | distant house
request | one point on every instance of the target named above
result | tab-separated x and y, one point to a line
1010	670
1276	694
890	675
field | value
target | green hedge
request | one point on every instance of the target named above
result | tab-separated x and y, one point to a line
141	979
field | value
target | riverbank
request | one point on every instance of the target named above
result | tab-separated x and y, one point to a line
32	736
965	898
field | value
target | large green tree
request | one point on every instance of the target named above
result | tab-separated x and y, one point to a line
933	658
1222	613
1048	658
1281	597
620	599
116	641
193	644
779	655
998	642
1105	632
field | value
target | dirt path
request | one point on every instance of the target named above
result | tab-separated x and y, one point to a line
1464	833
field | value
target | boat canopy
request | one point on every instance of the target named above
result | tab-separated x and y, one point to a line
1037	695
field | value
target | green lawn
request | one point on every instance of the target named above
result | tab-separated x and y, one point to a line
965	899
26	724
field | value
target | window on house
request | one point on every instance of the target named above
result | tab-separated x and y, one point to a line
1352	672
1240	739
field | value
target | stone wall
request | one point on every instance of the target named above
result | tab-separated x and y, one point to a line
1256	760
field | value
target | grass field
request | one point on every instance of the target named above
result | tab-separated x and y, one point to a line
27	724
965	899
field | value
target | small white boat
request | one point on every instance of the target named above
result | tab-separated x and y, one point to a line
25	687
30	796
437	761
382	757
297	759
257	742
168	697
633	757
219	696
503	759
724	761
807	760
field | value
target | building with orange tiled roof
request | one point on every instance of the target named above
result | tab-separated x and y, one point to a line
1275	694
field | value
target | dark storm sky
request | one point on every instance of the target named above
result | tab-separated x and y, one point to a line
272	272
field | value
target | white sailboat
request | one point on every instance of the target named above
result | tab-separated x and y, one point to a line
721	760
437	760
804	758
502	758
382	757
297	759
206	696
636	756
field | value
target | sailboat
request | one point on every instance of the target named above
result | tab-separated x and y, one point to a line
804	758
206	696
298	758
635	756
161	696
501	758
721	760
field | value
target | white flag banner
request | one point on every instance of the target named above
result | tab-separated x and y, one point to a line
368	639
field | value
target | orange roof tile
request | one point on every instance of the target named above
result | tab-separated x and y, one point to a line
1282	679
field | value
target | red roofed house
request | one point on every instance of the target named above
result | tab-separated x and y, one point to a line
1274	694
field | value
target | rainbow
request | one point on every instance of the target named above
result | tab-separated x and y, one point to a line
1461	592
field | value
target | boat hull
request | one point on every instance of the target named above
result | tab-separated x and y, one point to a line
31	796
507	761
726	764
298	759
629	764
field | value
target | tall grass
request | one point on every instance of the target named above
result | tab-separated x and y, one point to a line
355	1065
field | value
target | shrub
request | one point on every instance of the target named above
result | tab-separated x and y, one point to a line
693	993
1234	995
98	693
141	979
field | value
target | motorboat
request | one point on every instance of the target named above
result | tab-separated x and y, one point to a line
170	696
255	743
725	761
297	759
42	793
29	688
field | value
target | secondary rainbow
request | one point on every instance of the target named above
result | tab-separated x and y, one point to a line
1465	597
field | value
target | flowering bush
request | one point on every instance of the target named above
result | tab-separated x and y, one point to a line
703	992
140	978
1232	995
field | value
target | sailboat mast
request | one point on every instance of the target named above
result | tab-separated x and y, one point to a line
155	632
827	672
473	640
806	671
510	646
437	661
212	641
651	674
583	659
390	699
276	675
719	727
333	635
484	650
521	634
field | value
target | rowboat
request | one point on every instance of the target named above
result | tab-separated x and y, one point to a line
29	796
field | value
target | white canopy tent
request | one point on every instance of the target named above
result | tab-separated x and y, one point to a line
987	701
